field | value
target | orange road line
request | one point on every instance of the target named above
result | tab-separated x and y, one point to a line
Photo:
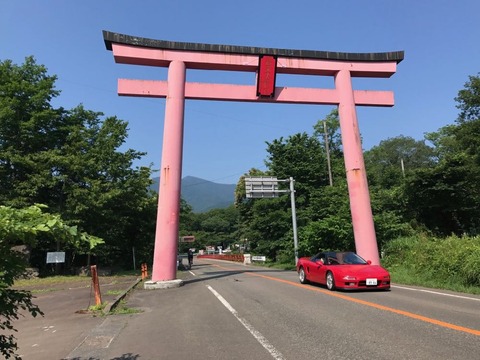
367	303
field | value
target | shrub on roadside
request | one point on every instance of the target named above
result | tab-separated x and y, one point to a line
452	259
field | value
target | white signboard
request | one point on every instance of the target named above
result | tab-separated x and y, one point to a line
259	258
261	187
55	257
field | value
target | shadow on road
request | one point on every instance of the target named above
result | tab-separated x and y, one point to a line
209	275
128	356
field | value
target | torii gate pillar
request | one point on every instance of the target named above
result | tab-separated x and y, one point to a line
360	208
168	213
266	63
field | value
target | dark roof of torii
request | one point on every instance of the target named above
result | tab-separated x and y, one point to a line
110	37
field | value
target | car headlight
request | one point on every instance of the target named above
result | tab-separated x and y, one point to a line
348	278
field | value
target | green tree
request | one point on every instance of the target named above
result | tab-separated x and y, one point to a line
245	207
446	197
70	161
299	156
331	124
23	227
97	185
217	227
30	130
384	161
329	225
327	131
468	100
271	227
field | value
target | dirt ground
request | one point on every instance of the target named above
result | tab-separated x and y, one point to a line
65	302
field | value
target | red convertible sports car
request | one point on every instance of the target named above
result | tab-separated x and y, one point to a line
342	270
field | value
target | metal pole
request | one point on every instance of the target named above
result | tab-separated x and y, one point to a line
133	254
294	220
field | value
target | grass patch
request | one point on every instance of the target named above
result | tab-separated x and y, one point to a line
405	276
97	310
281	266
58	280
43	291
451	263
123	309
51	280
114	292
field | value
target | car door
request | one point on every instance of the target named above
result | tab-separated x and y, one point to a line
322	270
318	269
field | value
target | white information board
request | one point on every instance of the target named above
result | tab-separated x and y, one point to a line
55	257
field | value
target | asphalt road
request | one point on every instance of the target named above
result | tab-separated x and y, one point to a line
232	311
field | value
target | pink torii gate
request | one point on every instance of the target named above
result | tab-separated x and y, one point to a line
266	62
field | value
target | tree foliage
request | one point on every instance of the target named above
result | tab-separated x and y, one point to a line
468	100
217	227
384	162
70	161
446	197
23	227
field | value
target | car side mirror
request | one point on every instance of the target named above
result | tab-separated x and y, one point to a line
369	262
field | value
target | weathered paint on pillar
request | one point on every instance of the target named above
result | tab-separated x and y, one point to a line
362	218
168	213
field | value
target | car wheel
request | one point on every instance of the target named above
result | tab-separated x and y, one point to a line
330	281
302	276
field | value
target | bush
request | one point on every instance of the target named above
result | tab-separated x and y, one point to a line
453	259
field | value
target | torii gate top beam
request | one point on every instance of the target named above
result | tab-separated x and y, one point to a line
306	62
110	38
141	51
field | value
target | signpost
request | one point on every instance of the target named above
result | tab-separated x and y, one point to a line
258	187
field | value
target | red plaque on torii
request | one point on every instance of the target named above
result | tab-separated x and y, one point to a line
267	72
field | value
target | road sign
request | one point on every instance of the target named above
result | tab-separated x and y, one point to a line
261	187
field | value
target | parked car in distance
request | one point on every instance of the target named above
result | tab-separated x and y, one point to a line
342	270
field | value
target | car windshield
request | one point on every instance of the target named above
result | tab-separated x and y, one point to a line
345	258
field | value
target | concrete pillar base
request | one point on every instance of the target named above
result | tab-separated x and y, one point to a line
167	284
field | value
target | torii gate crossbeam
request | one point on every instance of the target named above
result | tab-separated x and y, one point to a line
266	62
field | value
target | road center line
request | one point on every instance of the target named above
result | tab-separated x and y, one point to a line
367	303
257	335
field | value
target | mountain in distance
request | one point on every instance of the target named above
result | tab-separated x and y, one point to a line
203	195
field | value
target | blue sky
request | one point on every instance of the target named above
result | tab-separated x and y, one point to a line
223	140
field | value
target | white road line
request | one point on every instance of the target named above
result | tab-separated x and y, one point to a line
436	293
191	273
257	335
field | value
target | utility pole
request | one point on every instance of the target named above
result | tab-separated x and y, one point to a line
328	153
294	219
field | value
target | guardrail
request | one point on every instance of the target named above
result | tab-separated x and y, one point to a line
227	257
